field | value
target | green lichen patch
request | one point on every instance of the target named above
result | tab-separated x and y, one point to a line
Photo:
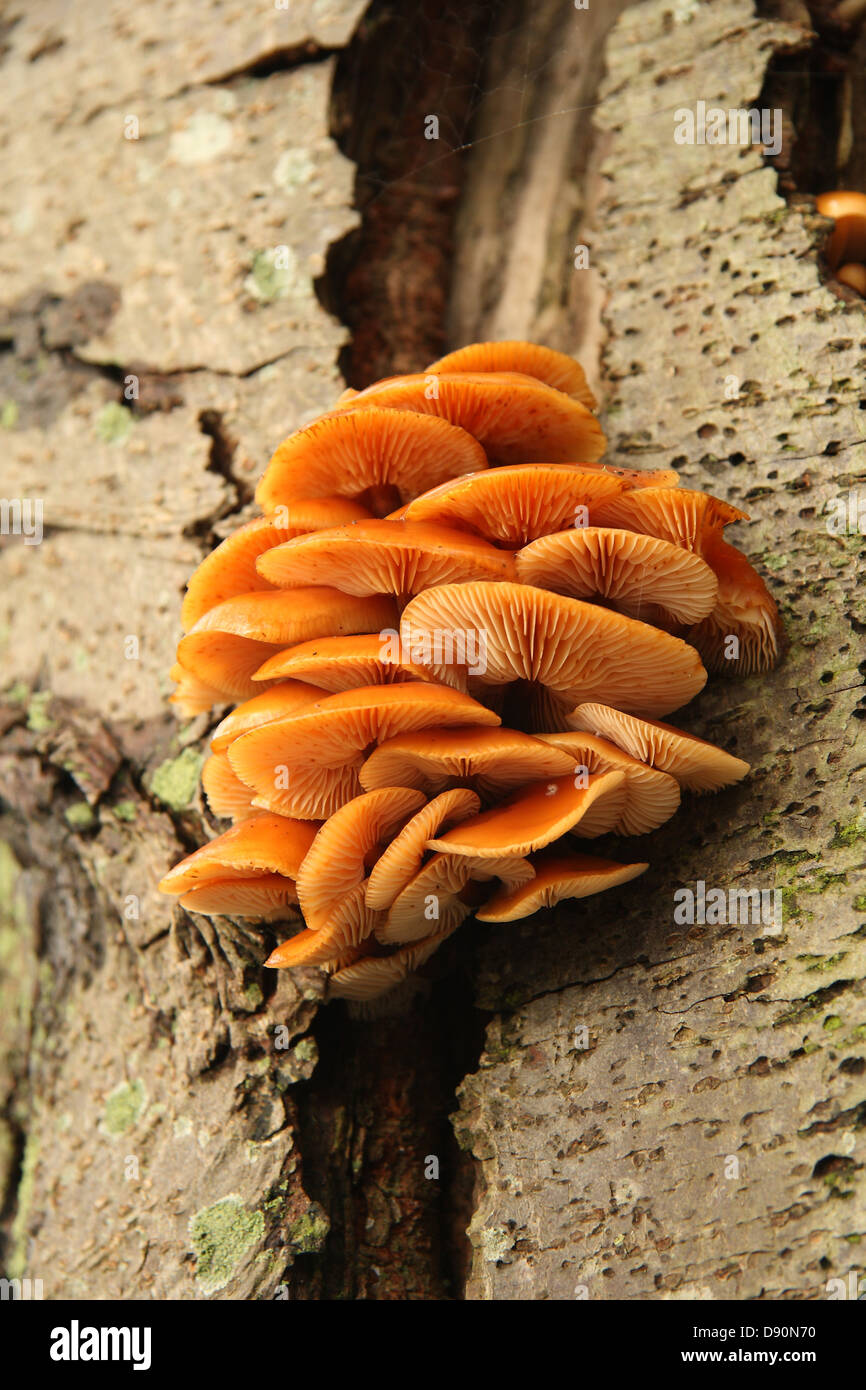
9	415
221	1235
18	693
125	810
79	816
113	423
38	721
175	781
273	274
123	1107
846	836
308	1233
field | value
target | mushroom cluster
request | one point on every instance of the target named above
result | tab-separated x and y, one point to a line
450	639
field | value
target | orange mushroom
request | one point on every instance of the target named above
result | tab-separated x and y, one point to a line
743	633
230	642
639	575
556	878
744	607
529	819
192	695
267	897
433	894
375	975
389	500
490	761
307	765
344	663
853	274
579	651
514	505
377	457
400	861
515	419
267	844
553	368
385	557
695	764
230	569
848	239
687	519
349	923
226	794
652	797
276	702
336	861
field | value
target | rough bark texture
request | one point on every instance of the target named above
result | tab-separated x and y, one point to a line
167	1128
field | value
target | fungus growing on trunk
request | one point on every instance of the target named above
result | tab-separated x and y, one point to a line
385	557
400	861
553	368
307	765
579	651
556	878
489	761
696	764
344	663
230	642
374	456
514	418
641	576
383	772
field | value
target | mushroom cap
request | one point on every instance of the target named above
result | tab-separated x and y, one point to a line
336	861
545	364
848	239
264	844
492	759
577	649
853	274
385	557
231	641
226	794
276	702
516	504
572	876
652	796
640	575
530	819
344	663
696	764
516	419
676	514
744	609
307	765
356	454
192	696
400	861
268	897
438	883
375	975
230	569
349	923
